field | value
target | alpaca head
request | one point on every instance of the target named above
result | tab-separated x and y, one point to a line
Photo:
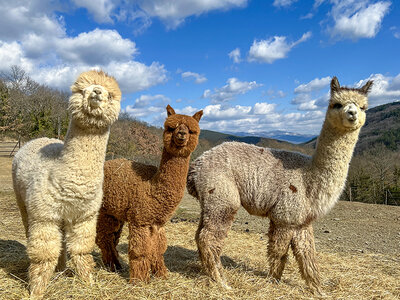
346	111
181	133
95	100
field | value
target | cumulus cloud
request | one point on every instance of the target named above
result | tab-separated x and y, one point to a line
283	3
229	91
314	85
12	54
197	77
146	106
95	47
21	18
173	13
41	46
384	90
357	19
261	117
272	49
101	10
235	55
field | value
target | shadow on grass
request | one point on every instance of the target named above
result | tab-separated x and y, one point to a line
181	260
13	259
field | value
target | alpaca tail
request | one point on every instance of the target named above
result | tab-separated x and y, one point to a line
191	178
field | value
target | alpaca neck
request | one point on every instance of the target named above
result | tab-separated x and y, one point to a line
170	180
329	167
84	149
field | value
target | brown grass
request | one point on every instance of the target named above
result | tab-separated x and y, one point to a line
344	275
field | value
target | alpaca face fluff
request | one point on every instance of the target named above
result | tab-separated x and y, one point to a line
347	107
181	134
95	101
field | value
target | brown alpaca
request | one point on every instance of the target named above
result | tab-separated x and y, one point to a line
289	188
146	197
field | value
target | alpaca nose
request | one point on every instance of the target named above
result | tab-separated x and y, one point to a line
181	134
351	112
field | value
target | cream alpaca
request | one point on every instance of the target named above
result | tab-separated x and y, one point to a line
58	185
290	188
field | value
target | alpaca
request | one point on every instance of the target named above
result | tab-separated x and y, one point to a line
146	197
58	185
289	188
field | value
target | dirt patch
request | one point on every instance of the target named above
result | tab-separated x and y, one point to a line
350	227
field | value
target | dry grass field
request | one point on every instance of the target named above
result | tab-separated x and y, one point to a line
358	249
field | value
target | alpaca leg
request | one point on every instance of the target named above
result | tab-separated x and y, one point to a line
44	245
62	259
107	237
158	267
141	248
22	209
304	250
278	246
214	225
80	243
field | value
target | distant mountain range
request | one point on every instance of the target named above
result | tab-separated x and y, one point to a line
281	135
382	127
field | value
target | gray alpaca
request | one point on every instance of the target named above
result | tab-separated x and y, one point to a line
289	188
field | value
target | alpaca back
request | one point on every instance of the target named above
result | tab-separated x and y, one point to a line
255	172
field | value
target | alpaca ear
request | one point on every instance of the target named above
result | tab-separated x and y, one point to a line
335	86
197	116
367	87
170	110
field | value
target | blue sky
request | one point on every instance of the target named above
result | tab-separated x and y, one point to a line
252	65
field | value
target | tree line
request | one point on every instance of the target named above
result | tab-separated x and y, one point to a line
29	109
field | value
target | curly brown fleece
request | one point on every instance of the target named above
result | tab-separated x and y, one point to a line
146	197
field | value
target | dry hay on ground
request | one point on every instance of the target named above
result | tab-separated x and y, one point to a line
343	276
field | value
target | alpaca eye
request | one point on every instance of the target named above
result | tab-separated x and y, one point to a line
191	132
337	105
364	107
171	129
109	97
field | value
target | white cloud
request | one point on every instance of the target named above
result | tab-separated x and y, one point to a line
395	31
173	13
197	77
40	45
149	106
283	3
270	50
95	47
100	9
310	105
262	117
235	55
229	91
263	108
140	77
20	18
12	54
314	85
357	19
384	90
134	76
